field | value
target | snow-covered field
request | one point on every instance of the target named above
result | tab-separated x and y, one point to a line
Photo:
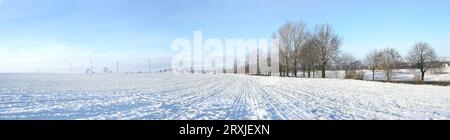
399	75
197	96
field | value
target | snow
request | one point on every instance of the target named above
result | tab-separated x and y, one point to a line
399	75
213	97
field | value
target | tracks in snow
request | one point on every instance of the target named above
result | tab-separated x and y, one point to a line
192	96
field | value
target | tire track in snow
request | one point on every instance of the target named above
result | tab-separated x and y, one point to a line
282	108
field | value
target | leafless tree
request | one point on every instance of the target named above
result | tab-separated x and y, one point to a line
292	37
309	55
422	56
439	65
300	39
390	59
348	64
373	61
286	41
329	45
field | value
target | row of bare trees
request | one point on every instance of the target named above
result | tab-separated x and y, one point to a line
309	50
421	56
320	50
386	59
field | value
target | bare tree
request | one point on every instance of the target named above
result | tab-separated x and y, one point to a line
292	37
286	41
329	45
300	39
348	64
373	60
390	59
439	65
309	55
422	56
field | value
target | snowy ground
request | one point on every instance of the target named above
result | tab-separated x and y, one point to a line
196	96
399	75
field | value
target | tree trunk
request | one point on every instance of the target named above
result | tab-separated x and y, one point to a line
279	67
323	69
287	67
323	73
295	68
257	62
304	72
388	76
309	72
423	76
373	75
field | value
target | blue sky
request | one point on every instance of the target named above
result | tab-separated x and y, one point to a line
46	35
